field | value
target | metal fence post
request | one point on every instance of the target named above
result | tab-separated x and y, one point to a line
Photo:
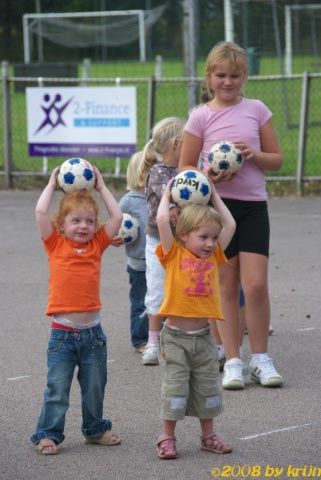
189	42
7	132
117	159
158	71
150	106
86	71
303	124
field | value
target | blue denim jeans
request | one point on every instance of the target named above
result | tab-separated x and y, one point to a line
86	349
138	319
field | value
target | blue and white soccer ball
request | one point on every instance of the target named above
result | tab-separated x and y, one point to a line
225	156
76	174
190	186
129	229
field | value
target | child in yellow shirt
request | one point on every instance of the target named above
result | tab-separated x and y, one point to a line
188	354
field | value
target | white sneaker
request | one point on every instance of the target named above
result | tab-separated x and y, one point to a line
233	377
150	355
262	371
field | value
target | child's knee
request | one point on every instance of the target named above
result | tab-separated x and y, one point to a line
174	402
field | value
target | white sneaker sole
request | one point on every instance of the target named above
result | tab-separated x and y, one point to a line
149	360
234	385
271	382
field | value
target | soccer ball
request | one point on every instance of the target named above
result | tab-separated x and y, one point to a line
76	174
225	156
190	186
129	229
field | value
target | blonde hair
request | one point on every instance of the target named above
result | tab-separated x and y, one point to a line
194	216
206	94
135	181
164	134
73	201
228	52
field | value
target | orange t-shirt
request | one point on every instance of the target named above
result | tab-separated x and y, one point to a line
191	283
74	273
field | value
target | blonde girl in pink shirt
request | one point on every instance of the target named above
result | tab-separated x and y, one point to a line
228	115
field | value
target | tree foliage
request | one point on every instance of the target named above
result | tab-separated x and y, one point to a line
253	26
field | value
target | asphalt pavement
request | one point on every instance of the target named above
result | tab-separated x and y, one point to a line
275	433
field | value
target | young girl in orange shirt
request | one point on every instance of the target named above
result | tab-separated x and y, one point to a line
74	243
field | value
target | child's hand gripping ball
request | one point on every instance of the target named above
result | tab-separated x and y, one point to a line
76	174
129	229
190	186
225	156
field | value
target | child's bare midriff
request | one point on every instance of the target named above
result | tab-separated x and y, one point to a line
82	318
187	324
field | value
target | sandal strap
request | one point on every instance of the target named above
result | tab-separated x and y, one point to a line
166	447
209	436
164	437
214	440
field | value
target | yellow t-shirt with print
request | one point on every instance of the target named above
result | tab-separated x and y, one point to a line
191	284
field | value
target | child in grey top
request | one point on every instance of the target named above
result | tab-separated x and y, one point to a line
134	202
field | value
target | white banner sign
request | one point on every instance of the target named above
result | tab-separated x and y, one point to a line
81	121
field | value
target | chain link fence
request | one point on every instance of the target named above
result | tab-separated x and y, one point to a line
295	101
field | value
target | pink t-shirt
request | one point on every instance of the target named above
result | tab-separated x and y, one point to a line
238	122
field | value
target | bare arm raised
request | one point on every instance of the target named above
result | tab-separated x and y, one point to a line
163	219
42	208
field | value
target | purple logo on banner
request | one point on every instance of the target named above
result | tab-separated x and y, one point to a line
53	113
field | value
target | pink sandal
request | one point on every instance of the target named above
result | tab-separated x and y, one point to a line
213	443
166	447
